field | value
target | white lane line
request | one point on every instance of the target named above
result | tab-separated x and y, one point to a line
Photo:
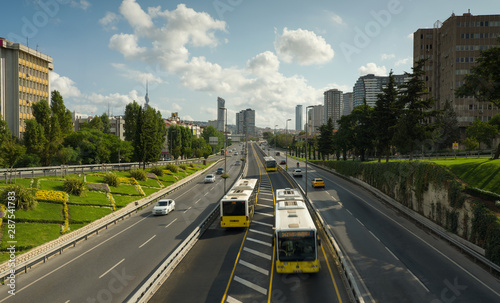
374	235
360	222
147	241
262	223
260	232
390	251
256	268
232	300
111	268
257	253
260	242
418	280
171	223
264	214
262	290
263	205
77	257
349	212
187	209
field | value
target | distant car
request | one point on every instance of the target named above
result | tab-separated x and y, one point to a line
163	207
238	162
297	172
220	171
235	153
277	153
318	182
210	178
282	162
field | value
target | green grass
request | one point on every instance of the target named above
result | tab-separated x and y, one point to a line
26	182
51	185
150	190
87	213
91	197
32	234
481	173
94	179
125	189
149	182
122	201
44	211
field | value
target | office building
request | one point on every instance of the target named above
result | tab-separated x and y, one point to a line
333	106
314	119
452	49
299	112
368	88
348	99
245	122
24	80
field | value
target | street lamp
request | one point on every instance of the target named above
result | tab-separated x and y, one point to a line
307	133
275	137
286	143
225	147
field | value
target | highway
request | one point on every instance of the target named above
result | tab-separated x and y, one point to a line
237	265
108	267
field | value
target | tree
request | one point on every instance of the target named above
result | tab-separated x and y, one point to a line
132	111
343	137
448	127
96	123
212	132
150	135
4	131
385	117
325	140
363	129
34	137
63	114
413	126
105	123
483	81
482	132
42	113
11	152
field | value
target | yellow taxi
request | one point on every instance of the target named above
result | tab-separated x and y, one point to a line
318	182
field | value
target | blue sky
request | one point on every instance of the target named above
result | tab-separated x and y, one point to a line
266	55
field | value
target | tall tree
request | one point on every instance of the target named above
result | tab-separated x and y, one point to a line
63	114
343	138
106	126
42	113
483	81
96	123
149	137
414	126
385	117
325	140
132	111
363	130
449	129
34	137
483	132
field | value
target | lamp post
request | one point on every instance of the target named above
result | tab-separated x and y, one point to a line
225	147
275	137
307	133
286	143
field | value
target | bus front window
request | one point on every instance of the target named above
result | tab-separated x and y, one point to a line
296	249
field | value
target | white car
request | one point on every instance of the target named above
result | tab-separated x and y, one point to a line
163	207
210	178
297	172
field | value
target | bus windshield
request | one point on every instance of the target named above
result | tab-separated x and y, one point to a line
233	208
271	163
296	248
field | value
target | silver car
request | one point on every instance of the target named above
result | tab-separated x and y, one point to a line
210	178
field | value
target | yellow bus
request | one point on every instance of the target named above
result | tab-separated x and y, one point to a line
296	238
237	206
270	163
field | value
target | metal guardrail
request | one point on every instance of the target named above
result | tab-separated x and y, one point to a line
345	268
100	224
149	288
465	246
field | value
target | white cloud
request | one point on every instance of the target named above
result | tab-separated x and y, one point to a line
388	56
410	36
64	85
135	16
264	63
109	21
82	4
403	61
127	45
372	68
138	76
303	47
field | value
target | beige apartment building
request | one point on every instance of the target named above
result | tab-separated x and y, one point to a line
24	80
452	48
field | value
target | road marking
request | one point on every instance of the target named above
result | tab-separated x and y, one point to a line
257	253
232	300
147	241
171	223
350	212
360	222
72	260
111	268
187	209
263	205
264	214
256	287
261	232
254	267
390	251
418	280
262	223
374	235
260	242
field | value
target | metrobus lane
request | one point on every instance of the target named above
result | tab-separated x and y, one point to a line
326	285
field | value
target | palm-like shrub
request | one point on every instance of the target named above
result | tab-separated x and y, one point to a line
75	186
138	174
173	168
21	196
111	179
157	171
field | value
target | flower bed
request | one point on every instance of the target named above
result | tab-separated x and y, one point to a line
98	187
128	180
51	196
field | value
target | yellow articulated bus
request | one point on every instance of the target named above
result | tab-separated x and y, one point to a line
237	206
270	163
295	235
